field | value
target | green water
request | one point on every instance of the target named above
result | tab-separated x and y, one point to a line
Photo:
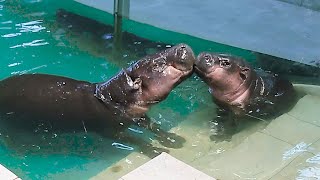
38	46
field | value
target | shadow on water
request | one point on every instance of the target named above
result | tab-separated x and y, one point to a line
294	70
98	39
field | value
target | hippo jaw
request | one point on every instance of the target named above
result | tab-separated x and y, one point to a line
228	77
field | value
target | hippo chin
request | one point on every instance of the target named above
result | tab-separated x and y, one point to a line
61	104
240	91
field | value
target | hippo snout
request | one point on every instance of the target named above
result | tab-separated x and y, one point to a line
204	62
185	57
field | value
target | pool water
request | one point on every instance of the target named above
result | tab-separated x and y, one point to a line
32	41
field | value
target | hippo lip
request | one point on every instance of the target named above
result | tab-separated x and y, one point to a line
138	109
174	72
203	71
207	74
186	58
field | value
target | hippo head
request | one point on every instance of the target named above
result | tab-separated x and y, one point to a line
228	77
150	80
156	75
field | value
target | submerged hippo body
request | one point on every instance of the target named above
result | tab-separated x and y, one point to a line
240	91
62	104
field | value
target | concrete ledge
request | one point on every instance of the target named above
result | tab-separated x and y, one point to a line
6	174
167	167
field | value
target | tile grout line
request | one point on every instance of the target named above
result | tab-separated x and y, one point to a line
308	152
303	120
276	138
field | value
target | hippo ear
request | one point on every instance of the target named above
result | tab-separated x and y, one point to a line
136	84
244	73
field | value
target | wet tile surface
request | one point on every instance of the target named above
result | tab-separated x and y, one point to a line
307	109
305	166
259	156
292	130
288	148
165	166
122	167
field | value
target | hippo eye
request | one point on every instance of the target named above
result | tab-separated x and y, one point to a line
207	57
225	63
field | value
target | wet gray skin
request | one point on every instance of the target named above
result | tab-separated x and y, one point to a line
61	104
242	92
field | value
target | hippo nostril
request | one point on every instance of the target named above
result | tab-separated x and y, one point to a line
207	58
182	53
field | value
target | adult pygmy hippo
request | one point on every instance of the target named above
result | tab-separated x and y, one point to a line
64	104
236	87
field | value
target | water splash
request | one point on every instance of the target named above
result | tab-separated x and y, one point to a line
301	147
315	159
308	173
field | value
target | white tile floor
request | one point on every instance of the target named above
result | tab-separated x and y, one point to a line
167	167
6	174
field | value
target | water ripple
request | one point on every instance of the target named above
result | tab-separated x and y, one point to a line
5	28
309	173
26	71
315	159
6	22
32	26
122	146
14	64
301	147
39	42
11	35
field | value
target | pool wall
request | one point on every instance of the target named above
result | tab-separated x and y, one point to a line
270	26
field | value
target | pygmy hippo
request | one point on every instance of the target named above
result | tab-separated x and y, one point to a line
241	91
61	104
